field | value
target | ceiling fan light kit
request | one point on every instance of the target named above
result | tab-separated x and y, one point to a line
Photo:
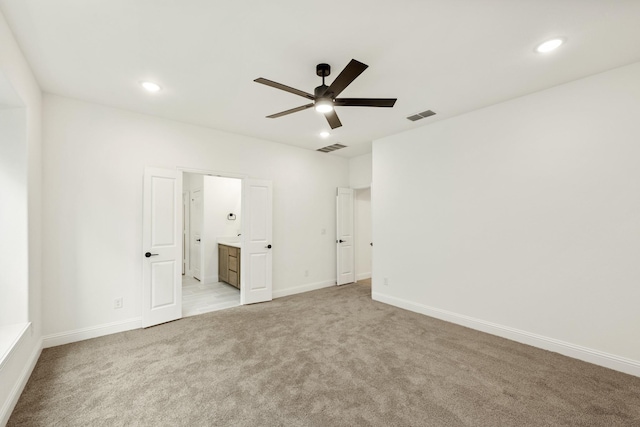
324	105
324	97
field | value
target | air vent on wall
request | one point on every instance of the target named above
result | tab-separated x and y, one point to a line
330	148
422	115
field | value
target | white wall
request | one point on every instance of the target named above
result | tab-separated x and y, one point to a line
360	175
14	218
362	213
15	370
94	158
222	196
524	217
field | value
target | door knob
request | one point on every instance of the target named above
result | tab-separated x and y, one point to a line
268	247
197	240
341	241
149	254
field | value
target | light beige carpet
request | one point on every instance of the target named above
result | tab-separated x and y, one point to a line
331	357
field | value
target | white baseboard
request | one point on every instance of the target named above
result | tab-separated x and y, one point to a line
16	391
586	354
304	288
363	276
91	332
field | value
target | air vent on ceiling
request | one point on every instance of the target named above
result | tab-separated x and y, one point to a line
422	115
330	148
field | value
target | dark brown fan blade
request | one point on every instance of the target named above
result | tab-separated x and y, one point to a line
344	79
293	110
284	87
333	119
365	102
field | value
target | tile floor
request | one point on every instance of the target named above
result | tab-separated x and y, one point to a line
198	298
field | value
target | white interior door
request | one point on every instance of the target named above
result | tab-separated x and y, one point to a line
161	278
344	239
256	262
196	233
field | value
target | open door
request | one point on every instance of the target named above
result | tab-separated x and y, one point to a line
161	258
195	222
256	262
344	239
186	202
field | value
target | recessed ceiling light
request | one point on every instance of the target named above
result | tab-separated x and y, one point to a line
550	45
150	86
325	134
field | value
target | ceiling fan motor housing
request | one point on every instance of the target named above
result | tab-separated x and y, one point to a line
320	91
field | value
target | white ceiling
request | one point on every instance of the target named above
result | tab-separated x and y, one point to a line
451	56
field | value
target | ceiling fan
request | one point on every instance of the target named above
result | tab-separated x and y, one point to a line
325	97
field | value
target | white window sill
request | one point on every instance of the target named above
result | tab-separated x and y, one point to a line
10	336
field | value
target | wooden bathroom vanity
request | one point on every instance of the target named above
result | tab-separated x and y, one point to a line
229	265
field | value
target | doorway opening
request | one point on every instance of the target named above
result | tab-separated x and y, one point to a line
211	234
363	235
163	236
353	236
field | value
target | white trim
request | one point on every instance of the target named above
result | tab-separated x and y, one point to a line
91	332
18	387
363	276
211	172
586	354
304	288
23	328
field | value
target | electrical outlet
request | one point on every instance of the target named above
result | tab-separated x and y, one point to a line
323	231
306	273
386	281
117	303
